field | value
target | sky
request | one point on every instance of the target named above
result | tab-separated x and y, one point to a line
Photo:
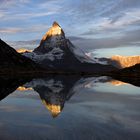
90	24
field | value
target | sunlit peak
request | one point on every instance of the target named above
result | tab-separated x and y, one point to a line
21	88
54	109
23	50
54	30
126	61
117	83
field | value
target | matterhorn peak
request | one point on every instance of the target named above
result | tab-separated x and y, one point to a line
55	30
55	24
54	109
56	52
55	37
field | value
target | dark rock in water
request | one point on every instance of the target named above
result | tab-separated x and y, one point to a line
130	75
9	85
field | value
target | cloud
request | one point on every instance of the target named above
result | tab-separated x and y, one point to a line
9	30
25	16
26	9
99	19
105	27
129	38
130	17
2	15
31	29
95	24
6	4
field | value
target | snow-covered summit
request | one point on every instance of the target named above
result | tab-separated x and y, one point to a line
55	37
53	31
57	52
54	46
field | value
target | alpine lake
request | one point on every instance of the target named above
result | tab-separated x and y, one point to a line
69	108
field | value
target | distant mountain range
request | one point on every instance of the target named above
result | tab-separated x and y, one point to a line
29	44
125	61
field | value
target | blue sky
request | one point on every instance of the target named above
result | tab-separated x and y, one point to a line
94	23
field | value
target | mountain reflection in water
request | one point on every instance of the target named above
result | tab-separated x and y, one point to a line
84	108
54	91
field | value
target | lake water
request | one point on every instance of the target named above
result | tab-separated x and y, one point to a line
69	108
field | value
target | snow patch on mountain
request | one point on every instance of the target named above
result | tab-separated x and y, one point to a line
55	53
55	86
96	60
100	62
79	54
89	82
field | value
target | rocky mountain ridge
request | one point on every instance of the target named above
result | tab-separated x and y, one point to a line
57	52
12	61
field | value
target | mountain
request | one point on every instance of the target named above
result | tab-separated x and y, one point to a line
129	75
54	91
125	61
58	53
121	62
133	70
57	90
11	61
23	50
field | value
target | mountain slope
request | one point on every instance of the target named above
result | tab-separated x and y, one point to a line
130	71
60	54
125	61
121	62
129	75
54	91
12	61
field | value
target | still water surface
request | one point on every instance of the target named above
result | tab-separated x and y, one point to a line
69	108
